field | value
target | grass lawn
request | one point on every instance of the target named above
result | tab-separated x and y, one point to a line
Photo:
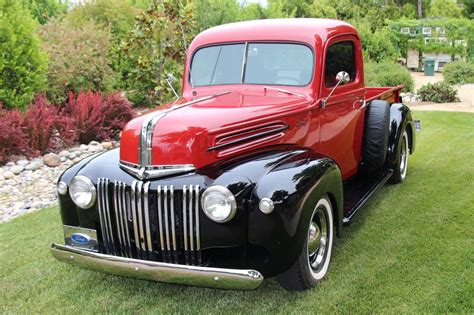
411	249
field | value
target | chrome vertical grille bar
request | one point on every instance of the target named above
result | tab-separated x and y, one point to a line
185	225
108	224
147	216
101	194
140	215
196	211
173	225
126	205
191	220
160	220
118	218
167	229
134	214
198	230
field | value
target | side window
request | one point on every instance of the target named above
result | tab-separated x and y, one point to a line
339	57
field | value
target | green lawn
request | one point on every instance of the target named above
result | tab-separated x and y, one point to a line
411	249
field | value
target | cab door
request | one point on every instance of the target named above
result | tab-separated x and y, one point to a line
342	118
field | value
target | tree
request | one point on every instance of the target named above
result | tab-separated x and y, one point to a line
157	46
289	8
322	9
22	64
45	10
468	8
209	13
444	8
251	11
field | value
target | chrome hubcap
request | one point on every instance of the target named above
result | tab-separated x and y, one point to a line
318	238
403	156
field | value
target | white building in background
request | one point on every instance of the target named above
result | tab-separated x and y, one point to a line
429	34
74	3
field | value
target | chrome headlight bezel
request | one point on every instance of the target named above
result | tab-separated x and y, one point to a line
91	190
226	195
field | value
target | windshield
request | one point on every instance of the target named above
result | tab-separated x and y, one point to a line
253	63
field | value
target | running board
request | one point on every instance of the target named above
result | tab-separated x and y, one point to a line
359	190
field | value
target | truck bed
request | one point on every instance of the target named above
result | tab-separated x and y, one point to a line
389	94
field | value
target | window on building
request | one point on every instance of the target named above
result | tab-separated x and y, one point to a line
426	30
405	30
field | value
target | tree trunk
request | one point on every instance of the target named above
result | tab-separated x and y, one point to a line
420	9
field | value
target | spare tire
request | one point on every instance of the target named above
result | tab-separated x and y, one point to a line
376	131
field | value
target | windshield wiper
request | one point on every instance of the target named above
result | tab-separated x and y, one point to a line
284	91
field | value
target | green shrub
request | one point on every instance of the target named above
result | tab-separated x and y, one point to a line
439	92
78	58
22	64
388	74
458	72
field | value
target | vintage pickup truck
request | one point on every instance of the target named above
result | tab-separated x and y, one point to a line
274	145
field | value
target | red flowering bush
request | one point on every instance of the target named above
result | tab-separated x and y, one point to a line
96	118
117	112
43	127
40	122
86	111
12	138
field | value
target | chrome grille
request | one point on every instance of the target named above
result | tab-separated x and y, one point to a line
160	224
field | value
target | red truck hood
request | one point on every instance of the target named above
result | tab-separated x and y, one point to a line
187	134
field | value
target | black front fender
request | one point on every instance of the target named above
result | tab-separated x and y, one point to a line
295	186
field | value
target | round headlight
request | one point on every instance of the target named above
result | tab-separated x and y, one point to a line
62	188
218	204
82	192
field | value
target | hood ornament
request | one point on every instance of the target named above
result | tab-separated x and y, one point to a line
150	172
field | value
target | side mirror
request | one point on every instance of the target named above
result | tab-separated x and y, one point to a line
342	78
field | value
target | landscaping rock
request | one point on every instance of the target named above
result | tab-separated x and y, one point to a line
23	163
107	145
52	159
64	154
34	186
33	166
95	148
17	169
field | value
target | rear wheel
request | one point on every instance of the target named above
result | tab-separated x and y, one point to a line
313	263
401	166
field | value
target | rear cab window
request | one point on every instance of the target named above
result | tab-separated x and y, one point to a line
340	56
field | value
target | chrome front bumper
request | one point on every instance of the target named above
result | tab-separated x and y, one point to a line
158	271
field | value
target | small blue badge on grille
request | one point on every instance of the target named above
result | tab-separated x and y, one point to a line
80	238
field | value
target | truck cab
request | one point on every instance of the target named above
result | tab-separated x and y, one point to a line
274	144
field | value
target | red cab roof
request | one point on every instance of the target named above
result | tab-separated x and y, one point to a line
299	30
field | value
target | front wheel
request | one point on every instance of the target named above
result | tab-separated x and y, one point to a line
313	263
400	171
